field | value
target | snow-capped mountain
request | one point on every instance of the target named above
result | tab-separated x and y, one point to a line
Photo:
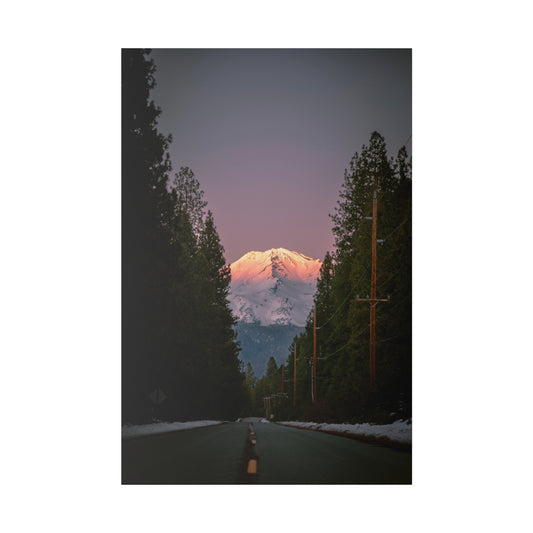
274	287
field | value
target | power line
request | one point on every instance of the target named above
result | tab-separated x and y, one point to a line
352	339
339	308
337	351
389	339
360	333
361	277
396	228
344	301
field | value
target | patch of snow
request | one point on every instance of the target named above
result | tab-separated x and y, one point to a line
264	421
399	431
164	427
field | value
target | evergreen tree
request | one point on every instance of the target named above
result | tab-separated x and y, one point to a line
324	287
190	197
370	170
205	348
250	378
224	347
394	324
213	252
272	375
325	315
250	381
145	168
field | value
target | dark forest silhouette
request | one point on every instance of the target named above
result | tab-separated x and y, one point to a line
179	356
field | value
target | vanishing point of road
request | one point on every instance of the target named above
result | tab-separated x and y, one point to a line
249	451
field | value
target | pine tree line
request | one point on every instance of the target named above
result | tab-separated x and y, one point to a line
343	381
178	334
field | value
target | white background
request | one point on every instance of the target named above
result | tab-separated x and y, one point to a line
60	235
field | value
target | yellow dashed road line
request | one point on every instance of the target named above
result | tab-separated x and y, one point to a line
252	466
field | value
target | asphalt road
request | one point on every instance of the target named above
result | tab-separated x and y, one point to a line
255	452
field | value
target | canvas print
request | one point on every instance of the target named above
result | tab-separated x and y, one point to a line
266	266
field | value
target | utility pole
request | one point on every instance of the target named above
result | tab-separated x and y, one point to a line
312	381
282	376
373	301
266	401
294	379
314	354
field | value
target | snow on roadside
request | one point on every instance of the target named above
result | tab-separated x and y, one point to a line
164	427
399	431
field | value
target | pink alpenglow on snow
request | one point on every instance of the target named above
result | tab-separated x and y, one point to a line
273	287
277	262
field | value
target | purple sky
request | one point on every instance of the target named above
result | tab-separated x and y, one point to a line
268	133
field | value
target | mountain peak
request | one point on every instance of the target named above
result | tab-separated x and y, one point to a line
294	265
273	287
